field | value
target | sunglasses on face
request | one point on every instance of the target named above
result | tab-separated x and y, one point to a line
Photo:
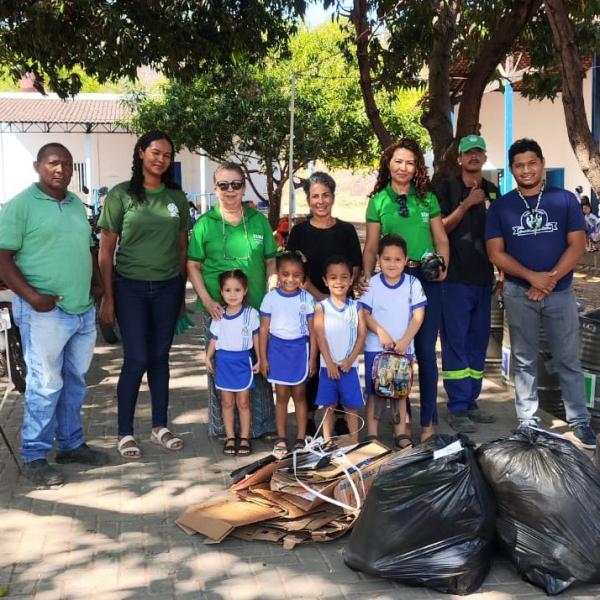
403	205
236	184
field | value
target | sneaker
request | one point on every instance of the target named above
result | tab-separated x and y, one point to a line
585	434
461	422
83	455
478	415
43	474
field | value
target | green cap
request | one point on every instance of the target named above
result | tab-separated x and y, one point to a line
469	142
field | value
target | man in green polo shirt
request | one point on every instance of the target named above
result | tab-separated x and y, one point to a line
45	259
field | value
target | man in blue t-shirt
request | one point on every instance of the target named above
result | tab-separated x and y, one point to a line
536	235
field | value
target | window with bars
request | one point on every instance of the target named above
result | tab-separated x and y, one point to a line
79	179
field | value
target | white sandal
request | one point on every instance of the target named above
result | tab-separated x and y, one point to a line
174	443
131	452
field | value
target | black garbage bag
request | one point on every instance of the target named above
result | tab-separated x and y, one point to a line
548	496
427	521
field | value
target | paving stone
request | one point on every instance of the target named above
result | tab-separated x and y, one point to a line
110	533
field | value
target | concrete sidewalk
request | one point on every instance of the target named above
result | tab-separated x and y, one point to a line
110	532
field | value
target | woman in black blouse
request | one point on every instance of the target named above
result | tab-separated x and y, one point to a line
318	238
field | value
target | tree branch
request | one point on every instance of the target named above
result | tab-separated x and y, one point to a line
436	116
361	26
493	50
581	138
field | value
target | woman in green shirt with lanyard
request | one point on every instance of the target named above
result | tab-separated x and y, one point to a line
149	217
402	203
232	236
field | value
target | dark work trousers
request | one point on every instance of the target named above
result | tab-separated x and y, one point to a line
147	312
465	334
425	341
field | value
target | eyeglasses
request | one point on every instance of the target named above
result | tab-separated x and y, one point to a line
226	255
236	184
403	205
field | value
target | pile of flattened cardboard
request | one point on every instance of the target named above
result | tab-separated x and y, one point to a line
269	499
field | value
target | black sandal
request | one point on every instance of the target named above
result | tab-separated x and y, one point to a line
402	438
280	449
229	448
299	444
244	447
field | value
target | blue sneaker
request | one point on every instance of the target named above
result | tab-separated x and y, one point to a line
585	434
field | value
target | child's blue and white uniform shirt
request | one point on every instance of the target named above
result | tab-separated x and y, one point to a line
341	329
234	332
289	313
233	360
392	306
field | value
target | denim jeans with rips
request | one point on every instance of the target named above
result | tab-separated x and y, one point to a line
58	349
557	313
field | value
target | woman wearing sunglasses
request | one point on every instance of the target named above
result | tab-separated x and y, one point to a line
148	216
402	203
232	236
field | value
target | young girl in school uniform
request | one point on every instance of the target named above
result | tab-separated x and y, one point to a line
229	358
287	346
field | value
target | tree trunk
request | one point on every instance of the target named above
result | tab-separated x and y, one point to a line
436	116
363	32
274	193
581	138
492	52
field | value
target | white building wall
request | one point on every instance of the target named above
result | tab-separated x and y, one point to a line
113	154
544	122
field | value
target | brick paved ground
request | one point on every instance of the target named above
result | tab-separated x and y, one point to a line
110	534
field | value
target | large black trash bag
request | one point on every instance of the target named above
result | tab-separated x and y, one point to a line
427	522
548	496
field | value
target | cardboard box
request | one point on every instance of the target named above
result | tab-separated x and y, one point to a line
268	502
363	479
218	517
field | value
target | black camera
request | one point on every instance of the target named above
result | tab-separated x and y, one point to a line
431	266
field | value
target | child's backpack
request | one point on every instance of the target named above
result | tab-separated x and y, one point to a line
392	375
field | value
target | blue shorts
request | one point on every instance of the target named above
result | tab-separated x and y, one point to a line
369	359
233	370
288	360
346	390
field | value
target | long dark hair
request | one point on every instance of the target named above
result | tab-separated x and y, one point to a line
421	179
136	183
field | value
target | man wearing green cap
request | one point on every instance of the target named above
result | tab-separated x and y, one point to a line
467	290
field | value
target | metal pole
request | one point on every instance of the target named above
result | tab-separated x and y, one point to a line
507	182
292	195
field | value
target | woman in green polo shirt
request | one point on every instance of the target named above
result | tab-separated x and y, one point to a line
232	236
149	217
402	203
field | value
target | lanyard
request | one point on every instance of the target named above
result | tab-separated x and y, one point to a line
533	211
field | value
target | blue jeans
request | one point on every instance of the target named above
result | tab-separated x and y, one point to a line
147	312
558	315
425	341
58	349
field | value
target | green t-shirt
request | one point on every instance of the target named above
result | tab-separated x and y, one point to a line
148	231
52	243
220	246
415	229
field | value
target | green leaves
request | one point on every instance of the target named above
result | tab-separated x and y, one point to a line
110	39
243	111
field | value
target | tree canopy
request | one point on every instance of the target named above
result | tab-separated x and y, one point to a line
244	113
393	41
110	39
